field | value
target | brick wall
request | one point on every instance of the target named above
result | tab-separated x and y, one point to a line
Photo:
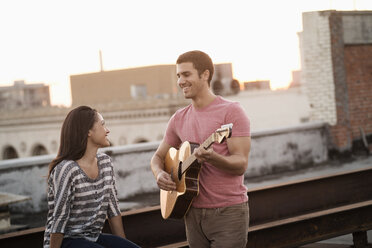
317	67
358	67
346	104
341	137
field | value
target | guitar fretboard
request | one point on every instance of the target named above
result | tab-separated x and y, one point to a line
190	160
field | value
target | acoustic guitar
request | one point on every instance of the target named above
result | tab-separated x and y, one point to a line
184	169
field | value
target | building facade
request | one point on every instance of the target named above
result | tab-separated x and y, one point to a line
140	83
336	52
25	133
22	95
117	86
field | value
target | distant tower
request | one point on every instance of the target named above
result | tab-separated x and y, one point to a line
100	60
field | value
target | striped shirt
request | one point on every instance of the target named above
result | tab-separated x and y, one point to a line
78	205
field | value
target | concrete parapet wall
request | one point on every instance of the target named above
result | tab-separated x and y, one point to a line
287	149
272	150
357	26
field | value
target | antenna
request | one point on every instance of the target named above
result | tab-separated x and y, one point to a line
100	59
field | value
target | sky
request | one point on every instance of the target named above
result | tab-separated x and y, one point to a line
47	41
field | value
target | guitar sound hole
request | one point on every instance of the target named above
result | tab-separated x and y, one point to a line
179	171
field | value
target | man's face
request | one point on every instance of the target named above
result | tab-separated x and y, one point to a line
189	80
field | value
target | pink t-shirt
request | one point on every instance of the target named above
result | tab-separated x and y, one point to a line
216	187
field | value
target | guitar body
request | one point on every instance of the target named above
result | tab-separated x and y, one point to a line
184	169
175	204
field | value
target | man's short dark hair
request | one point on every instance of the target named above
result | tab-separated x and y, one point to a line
200	60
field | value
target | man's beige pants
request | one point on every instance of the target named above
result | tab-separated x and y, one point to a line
218	227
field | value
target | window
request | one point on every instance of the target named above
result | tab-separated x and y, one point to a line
138	91
39	150
9	153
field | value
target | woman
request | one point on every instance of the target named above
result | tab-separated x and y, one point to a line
81	187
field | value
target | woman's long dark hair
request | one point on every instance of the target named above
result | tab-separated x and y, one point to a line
74	135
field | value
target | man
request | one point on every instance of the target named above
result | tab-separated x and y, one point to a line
219	215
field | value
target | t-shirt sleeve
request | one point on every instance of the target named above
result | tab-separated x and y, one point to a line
114	209
241	124
62	185
171	137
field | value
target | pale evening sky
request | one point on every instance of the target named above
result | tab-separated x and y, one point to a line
47	41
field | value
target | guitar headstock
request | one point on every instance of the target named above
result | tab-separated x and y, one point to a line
224	132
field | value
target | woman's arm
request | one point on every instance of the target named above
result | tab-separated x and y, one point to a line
62	189
56	240
116	225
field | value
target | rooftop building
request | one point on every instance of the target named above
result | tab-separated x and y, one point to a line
22	95
140	83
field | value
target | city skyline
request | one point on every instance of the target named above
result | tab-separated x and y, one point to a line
47	41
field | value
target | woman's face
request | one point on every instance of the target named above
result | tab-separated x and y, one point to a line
98	134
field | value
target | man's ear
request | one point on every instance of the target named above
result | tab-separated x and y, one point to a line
205	75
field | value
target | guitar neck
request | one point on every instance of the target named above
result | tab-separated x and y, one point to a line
191	159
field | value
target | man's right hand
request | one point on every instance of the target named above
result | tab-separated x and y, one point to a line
165	182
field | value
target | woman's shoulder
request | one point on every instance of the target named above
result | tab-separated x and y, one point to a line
103	156
66	165
64	168
104	159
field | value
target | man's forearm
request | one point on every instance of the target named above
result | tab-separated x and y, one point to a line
157	165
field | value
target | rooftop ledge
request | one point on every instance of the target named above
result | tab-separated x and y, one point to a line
145	147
